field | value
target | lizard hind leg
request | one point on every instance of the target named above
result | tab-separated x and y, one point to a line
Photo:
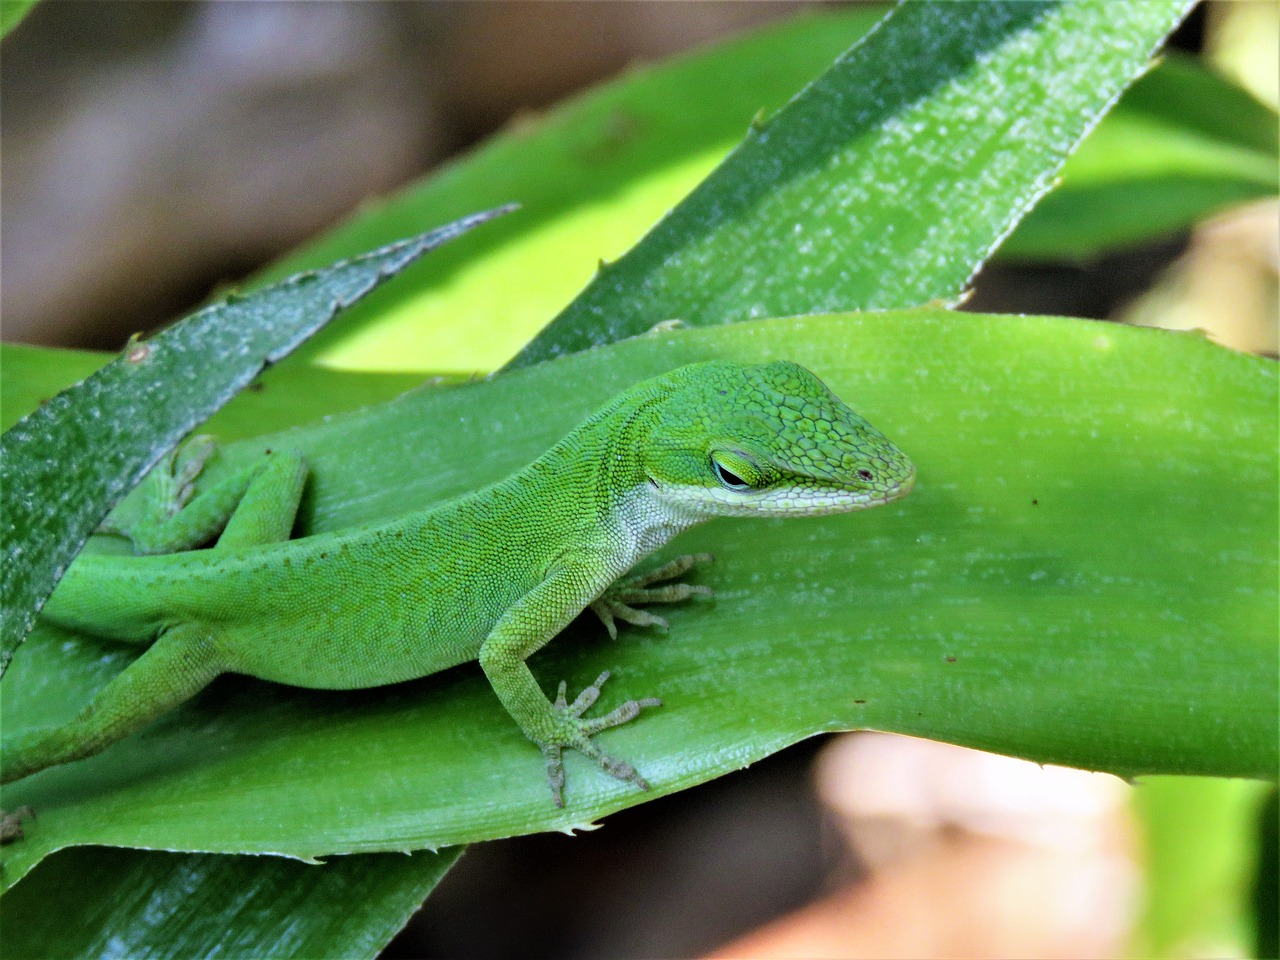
616	603
172	670
269	507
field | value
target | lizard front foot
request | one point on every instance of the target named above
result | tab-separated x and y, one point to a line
616	602
574	732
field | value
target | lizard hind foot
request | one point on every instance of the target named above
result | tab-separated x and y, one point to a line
172	481
168	488
186	466
616	603
575	733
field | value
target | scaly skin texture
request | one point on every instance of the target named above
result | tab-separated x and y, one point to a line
491	576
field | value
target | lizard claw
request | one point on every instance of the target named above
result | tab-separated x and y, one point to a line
555	771
576	733
616	602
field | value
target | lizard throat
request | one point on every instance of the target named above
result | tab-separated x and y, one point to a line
643	521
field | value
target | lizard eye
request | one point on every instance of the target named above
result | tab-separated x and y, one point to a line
727	477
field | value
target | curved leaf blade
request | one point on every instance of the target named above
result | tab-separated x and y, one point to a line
1014	602
138	905
889	180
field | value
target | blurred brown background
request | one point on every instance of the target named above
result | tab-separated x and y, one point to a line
154	151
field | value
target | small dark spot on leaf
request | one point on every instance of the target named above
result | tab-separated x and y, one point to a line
257	386
859	701
949	659
1035	502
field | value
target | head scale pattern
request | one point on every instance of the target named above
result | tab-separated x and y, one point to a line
769	438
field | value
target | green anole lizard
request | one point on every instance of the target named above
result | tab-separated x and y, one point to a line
490	576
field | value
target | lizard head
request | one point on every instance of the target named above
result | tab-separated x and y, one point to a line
767	438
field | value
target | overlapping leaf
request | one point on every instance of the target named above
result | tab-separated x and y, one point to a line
65	465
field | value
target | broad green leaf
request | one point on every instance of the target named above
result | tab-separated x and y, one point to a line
64	466
1013	602
138	905
1182	143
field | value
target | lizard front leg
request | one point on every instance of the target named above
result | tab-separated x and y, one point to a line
524	629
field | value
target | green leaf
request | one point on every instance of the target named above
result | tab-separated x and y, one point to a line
63	466
591	177
1182	144
1198	881
140	904
888	181
1013	602
12	13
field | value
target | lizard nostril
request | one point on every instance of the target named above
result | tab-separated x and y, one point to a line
864	475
